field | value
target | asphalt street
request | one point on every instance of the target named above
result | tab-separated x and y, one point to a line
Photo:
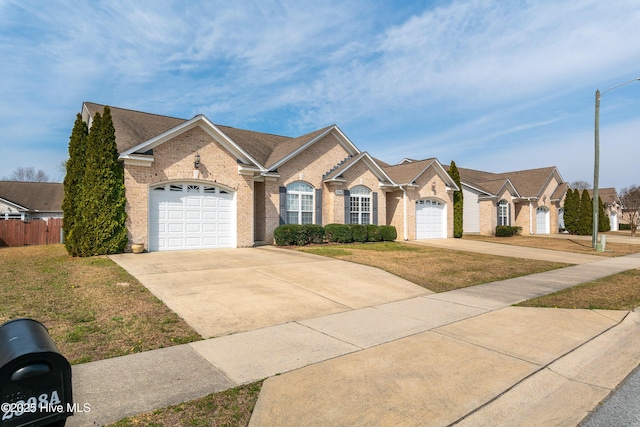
621	408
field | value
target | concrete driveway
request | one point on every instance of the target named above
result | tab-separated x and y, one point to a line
224	291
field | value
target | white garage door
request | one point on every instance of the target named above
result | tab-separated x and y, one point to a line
191	216
431	219
542	220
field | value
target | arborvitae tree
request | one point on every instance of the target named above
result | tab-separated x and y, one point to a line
457	201
571	211
103	200
585	224
604	224
73	182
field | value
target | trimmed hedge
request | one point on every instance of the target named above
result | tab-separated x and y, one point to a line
290	235
338	233
359	233
374	233
388	232
507	231
315	233
300	235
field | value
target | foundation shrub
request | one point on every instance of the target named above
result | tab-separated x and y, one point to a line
388	232
507	231
374	233
290	235
338	233
314	233
359	232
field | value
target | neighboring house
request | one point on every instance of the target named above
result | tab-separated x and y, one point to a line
193	184
30	200
612	205
531	199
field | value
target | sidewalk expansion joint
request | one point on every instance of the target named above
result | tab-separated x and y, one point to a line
537	371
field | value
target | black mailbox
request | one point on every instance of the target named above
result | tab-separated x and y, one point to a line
35	379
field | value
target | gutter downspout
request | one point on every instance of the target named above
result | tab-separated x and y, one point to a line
404	209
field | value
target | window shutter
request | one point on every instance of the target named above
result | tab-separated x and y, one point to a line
319	206
283	205
509	214
347	206
374	207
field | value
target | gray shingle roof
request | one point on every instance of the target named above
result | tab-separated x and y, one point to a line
35	196
608	195
135	127
406	173
528	183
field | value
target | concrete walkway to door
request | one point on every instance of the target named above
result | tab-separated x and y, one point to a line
224	291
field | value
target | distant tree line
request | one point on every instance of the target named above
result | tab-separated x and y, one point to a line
94	199
578	213
28	174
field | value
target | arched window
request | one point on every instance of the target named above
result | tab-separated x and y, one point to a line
503	213
299	203
360	205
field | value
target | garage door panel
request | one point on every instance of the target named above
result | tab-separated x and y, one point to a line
430	219
175	228
191	216
193	228
175	214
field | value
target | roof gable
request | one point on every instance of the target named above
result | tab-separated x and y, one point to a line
409	171
335	174
291	148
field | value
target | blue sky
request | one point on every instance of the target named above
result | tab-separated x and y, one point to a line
494	85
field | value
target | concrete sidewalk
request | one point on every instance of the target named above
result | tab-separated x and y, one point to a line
461	356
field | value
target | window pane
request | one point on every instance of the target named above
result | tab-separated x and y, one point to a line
300	186
366	204
366	218
307	217
360	190
293	202
292	217
307	202
354	218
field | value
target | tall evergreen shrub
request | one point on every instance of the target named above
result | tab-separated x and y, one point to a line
102	198
458	201
73	182
604	224
585	222
571	211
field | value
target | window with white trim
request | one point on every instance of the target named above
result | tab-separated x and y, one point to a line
299	203
503	213
360	205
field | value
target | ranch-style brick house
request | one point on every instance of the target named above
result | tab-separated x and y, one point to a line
193	184
531	199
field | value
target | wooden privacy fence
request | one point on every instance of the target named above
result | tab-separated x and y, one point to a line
14	232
